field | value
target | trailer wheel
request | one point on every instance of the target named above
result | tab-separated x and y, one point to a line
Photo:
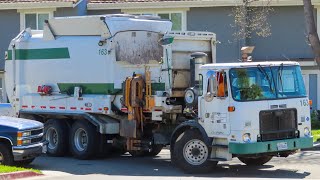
83	140
255	161
155	150
56	133
6	157
191	154
138	153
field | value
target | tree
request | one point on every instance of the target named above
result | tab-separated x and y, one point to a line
249	20
313	37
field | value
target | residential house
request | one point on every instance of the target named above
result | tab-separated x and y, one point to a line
287	42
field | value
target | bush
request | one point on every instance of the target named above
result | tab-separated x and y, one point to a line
315	122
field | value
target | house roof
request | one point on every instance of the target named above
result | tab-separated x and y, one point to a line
132	1
30	4
35	1
155	4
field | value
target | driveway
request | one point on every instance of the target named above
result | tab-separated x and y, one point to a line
305	164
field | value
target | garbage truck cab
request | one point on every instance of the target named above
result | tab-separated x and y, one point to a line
251	110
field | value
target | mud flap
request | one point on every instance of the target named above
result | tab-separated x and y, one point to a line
128	128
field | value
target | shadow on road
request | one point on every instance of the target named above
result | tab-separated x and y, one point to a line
161	166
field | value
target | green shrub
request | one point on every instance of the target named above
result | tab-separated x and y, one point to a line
315	122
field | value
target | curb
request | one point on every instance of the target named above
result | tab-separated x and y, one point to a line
19	174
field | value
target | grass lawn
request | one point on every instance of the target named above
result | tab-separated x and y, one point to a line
7	169
316	134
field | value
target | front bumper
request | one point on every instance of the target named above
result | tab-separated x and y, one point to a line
29	151
270	146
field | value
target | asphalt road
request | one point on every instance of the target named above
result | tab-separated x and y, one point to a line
305	164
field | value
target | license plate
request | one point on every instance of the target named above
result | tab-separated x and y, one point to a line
44	148
282	146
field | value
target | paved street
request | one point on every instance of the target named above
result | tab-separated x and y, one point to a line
305	164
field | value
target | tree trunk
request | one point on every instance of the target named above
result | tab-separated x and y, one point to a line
311	30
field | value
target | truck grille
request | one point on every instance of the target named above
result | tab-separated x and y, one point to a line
36	140
278	124
37	131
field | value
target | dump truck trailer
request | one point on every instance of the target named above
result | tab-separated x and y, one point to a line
128	83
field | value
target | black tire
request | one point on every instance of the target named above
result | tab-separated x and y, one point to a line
84	148
192	141
56	133
138	153
255	161
105	149
155	150
24	162
6	153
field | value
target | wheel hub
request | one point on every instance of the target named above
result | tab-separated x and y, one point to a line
52	138
195	152
81	139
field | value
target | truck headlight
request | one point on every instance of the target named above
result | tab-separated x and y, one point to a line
246	138
23	142
307	131
24	133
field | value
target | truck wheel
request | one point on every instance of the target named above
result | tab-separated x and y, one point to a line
56	133
255	161
83	140
24	162
191	154
6	157
155	150
138	153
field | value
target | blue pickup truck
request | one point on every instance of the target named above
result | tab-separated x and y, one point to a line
21	140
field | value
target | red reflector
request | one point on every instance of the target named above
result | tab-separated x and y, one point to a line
62	108
24	106
52	107
100	109
88	109
73	108
39	89
43	107
33	107
158	110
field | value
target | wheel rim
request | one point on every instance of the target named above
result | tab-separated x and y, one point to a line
52	138
81	139
195	152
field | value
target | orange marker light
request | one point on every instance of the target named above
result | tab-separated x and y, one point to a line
19	134
231	108
106	108
310	102
19	142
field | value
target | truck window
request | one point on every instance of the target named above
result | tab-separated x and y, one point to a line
259	83
222	90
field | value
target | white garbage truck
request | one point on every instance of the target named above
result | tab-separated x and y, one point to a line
128	83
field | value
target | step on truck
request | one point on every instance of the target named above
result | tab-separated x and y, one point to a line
124	83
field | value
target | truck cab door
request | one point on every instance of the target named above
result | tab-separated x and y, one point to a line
214	104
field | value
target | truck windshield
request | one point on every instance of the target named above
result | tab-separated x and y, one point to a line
271	82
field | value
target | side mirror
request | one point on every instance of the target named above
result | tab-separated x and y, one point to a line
166	40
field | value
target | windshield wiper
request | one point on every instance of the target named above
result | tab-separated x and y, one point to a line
280	69
266	75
